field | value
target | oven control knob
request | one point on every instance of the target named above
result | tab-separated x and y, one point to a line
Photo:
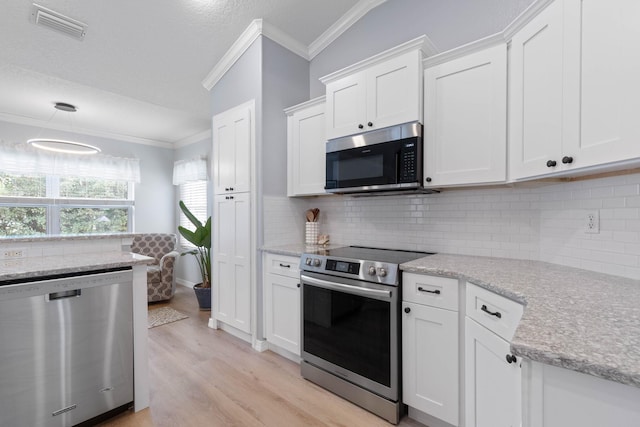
317	262
307	261
372	271
382	272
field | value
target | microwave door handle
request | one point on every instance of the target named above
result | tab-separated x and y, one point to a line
356	290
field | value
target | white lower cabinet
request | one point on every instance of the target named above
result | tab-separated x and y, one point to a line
430	362
492	384
231	267
282	302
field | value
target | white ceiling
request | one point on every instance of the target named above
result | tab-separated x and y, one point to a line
138	73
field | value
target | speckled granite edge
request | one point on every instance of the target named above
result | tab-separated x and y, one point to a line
63	264
297	249
576	319
60	237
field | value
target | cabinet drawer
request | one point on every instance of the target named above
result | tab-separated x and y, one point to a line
497	313
283	265
441	292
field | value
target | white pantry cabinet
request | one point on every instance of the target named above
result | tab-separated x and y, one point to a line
381	95
465	118
231	151
574	91
231	267
282	302
306	148
492	374
430	362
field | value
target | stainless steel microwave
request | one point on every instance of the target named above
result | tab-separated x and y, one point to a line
383	160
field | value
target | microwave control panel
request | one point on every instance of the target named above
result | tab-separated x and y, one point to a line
408	162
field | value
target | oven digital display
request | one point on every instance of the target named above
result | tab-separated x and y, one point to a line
343	266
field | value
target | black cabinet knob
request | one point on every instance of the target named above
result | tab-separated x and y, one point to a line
567	159
551	163
369	124
511	358
226	189
360	126
298	284
428	179
407	310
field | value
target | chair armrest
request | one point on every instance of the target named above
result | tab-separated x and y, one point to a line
167	263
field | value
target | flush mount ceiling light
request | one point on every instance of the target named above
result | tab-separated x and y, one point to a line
59	145
58	22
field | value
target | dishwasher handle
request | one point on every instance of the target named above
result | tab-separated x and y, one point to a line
64	294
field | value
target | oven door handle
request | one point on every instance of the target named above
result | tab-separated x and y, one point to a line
356	290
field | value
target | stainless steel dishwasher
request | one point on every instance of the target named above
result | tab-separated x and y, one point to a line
66	348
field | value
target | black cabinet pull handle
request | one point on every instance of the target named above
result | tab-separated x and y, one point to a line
421	289
226	197
230	188
226	189
230	197
360	126
551	163
428	179
493	313
369	124
407	310
567	159
511	358
285	265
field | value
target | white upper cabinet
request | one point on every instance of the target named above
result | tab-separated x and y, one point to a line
306	145
574	90
376	94
232	151
465	119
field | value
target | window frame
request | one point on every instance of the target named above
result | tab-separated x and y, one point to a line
202	208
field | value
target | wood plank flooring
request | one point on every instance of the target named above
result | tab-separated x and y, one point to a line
203	377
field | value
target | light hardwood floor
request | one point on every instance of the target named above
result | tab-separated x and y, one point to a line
203	377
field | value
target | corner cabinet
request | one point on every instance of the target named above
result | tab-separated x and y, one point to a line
306	148
282	303
574	88
492	374
465	118
430	346
382	91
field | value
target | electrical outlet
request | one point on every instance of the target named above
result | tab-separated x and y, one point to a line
14	253
592	222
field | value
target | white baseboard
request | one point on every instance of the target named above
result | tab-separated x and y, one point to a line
427	419
185	283
260	345
212	323
284	353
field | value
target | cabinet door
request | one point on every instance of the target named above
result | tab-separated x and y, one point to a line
466	119
232	150
282	310
601	81
430	360
231	260
492	385
536	97
346	113
394	91
307	151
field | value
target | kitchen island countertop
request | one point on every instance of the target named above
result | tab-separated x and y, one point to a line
576	319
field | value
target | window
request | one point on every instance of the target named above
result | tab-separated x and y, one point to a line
194	196
36	205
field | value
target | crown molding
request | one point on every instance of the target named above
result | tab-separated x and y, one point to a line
475	46
310	103
352	16
525	17
284	40
411	45
193	139
101	134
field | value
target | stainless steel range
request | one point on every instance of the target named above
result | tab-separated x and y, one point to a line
351	324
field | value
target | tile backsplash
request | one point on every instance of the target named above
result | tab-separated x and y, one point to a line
546	222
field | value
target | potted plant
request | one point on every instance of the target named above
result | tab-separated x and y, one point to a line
201	239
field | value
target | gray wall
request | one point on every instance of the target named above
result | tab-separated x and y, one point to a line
448	24
187	266
285	82
154	209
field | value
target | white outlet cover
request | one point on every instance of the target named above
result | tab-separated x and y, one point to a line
592	222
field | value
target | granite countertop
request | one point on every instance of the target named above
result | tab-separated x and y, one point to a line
63	264
297	249
576	319
60	237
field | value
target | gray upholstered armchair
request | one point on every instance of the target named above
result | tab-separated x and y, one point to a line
161	277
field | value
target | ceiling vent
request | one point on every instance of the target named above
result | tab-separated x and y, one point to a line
58	22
